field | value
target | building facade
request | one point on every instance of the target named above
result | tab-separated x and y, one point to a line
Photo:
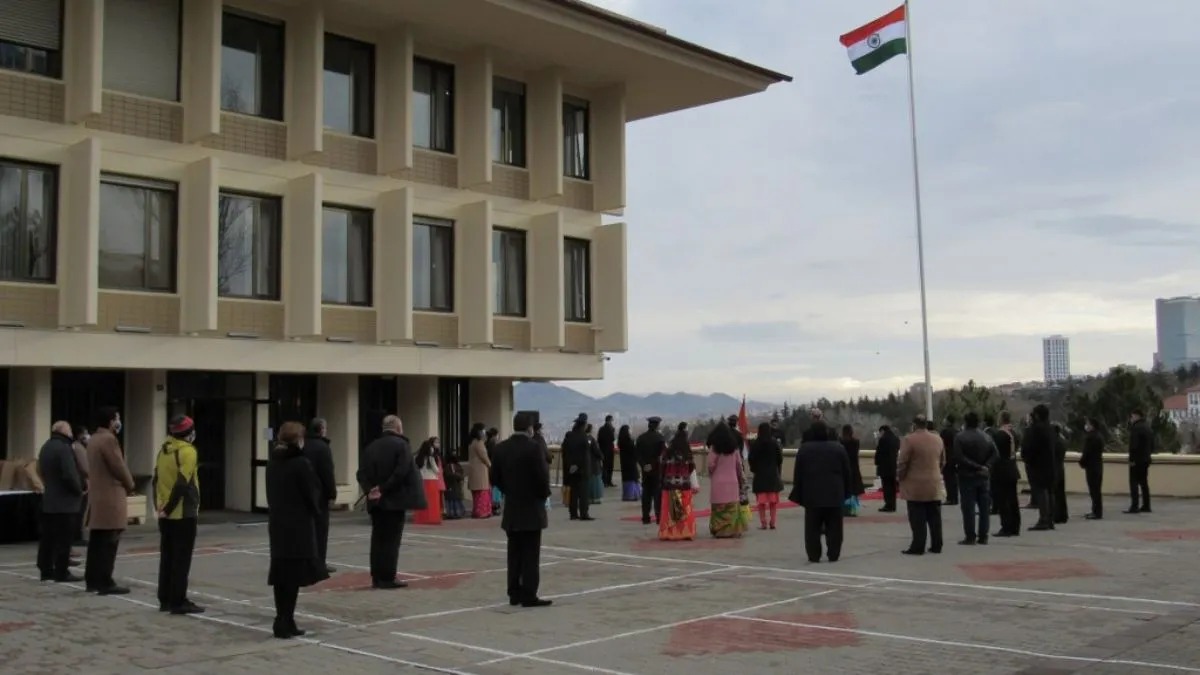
258	211
1178	323
1056	359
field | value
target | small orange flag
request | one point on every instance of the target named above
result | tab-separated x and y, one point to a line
743	420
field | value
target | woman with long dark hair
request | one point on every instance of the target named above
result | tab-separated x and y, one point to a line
479	466
631	484
852	445
728	477
294	494
766	463
678	522
431	472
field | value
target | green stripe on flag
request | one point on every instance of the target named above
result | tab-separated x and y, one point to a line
883	53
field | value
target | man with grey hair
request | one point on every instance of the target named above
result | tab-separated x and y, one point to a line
60	503
320	455
393	485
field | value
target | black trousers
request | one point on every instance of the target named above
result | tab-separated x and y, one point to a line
1041	494
1060	498
101	558
976	507
54	545
607	464
1095	483
1006	497
889	492
580	497
285	607
651	498
823	521
925	518
950	478
387	528
1139	478
524	565
80	533
177	541
323	535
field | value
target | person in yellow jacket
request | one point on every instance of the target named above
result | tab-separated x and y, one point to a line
177	500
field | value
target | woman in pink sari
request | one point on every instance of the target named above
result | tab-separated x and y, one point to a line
725	469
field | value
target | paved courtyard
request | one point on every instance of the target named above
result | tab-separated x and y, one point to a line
1118	596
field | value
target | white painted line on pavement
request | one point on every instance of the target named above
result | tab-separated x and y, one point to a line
512	655
245	603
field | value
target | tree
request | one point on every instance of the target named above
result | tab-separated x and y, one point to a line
1122	392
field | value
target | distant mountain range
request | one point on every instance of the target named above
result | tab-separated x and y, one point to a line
559	405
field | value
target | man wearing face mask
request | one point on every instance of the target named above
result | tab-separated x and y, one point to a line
109	485
177	501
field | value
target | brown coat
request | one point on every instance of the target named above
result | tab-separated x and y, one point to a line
919	467
478	466
109	483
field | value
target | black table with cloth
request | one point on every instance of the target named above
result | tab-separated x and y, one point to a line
19	513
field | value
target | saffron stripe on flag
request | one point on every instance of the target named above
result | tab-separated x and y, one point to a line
860	34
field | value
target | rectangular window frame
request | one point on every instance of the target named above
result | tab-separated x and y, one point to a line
500	269
571	168
53	58
436	224
575	309
268	22
368	218
362	121
508	133
52	246
277	254
125	180
178	63
446	69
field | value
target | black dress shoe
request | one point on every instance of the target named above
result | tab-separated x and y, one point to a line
935	550
389	585
296	630
967	542
1092	516
513	602
1146	509
188	607
586	518
982	541
1040	528
1004	533
536	602
330	569
912	551
69	579
282	631
1132	510
113	590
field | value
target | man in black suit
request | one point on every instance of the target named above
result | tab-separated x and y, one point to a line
390	479
1141	452
1037	451
887	451
821	482
607	438
61	500
950	471
522	475
649	450
320	455
577	472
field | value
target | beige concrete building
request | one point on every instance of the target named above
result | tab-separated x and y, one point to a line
254	211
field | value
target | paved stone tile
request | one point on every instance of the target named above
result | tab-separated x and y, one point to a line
1101	597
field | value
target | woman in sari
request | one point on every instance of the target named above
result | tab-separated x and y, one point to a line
631	483
478	467
725	470
766	463
678	523
431	473
596	484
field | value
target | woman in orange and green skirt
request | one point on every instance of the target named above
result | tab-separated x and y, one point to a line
678	522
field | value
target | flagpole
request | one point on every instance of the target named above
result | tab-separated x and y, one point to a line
912	119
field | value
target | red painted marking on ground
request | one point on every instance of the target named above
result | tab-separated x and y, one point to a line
10	626
1030	570
732	636
440	579
1166	535
703	542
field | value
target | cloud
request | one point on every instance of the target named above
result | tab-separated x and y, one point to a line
1126	230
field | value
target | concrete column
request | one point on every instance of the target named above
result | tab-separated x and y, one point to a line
610	289
83	59
28	411
417	406
337	402
146	425
473	81
198	236
394	84
393	282
546	304
608	149
79	235
305	72
240	440
543	101
200	71
492	403
302	253
473	283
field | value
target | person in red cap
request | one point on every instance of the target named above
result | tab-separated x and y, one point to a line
177	501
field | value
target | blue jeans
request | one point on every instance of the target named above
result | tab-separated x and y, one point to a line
975	497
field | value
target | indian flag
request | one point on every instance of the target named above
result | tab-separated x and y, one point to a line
877	41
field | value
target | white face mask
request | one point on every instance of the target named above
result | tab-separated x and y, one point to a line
116	427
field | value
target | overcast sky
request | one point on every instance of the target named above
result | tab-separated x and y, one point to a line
772	244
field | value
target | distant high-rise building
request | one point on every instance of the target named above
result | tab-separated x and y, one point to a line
1178	332
1056	358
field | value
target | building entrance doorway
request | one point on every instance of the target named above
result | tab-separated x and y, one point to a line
220	404
454	414
291	398
377	398
76	394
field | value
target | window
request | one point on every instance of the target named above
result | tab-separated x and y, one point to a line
137	234
433	105
251	66
349	86
141	47
508	271
31	36
577	277
248	236
346	256
508	122
433	264
28	222
575	138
